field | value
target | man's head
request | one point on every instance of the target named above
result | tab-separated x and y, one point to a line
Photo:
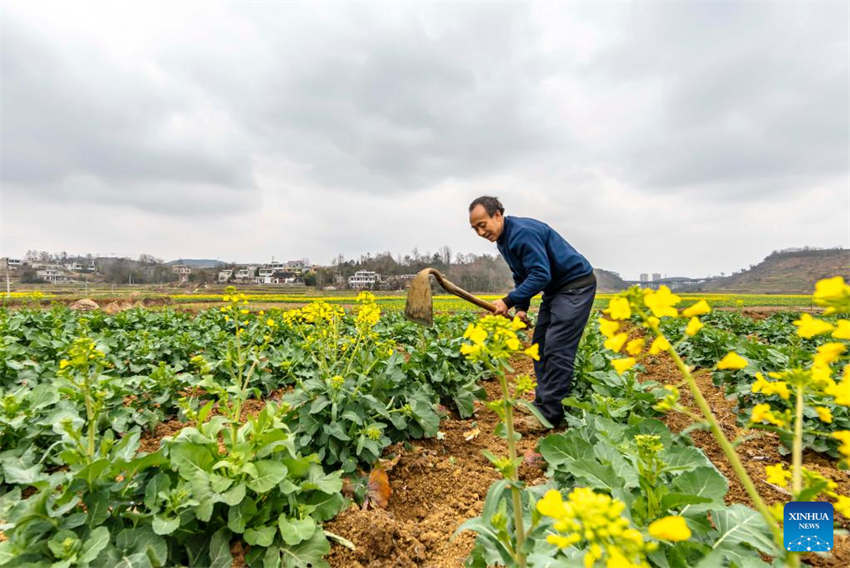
486	216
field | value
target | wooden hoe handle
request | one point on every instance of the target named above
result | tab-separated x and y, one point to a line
453	288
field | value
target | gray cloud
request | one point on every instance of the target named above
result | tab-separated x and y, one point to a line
302	124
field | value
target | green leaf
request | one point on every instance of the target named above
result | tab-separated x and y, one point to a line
308	554
319	404
163	525
563	449
234	495
17	475
335	429
6	553
137	560
93	471
294	531
676	500
741	533
260	536
190	458
535	411
330	483
159	482
704	482
269	474
238	516
683	459
94	544
352	416
324	506
220	549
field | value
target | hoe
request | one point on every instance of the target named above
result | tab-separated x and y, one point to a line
419	307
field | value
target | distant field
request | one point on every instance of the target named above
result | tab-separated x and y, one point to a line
387	300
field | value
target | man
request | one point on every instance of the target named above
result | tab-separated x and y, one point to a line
541	261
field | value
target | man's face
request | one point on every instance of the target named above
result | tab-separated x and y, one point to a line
486	226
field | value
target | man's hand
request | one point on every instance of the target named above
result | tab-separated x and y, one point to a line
523	317
501	308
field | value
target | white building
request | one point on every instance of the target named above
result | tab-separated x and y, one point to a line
363	279
11	263
52	275
183	272
246	273
224	275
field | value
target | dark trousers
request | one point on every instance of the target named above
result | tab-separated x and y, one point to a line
560	323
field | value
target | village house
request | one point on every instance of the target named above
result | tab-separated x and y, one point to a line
53	274
246	274
183	272
363	279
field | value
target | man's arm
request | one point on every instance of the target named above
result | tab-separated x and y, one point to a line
536	263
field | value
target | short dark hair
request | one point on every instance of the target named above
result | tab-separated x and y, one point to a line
491	205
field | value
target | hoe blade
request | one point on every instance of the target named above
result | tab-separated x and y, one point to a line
419	307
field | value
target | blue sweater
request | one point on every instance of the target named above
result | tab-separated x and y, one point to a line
539	258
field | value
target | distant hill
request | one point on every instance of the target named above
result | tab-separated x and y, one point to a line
197	262
789	272
607	281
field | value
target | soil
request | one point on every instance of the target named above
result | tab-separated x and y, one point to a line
759	449
439	483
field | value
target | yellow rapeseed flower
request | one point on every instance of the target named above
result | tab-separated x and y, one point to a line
808	327
563	541
616	342
623	365
533	352
471	349
635	346
732	361
766	387
843	436
661	302
833	293
777	474
475	333
824	413
517	324
618	309
659	344
829	352
672	528
841	391
842	505
607	327
763	413
552	505
64	363
694	325
699	309
842	329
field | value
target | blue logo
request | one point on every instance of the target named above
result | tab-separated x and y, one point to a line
808	526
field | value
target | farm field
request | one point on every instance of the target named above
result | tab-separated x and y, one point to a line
244	433
387	300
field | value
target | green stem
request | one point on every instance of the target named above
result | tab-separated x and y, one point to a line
726	446
797	461
516	496
90	414
797	446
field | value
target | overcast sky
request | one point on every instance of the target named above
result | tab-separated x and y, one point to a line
681	137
